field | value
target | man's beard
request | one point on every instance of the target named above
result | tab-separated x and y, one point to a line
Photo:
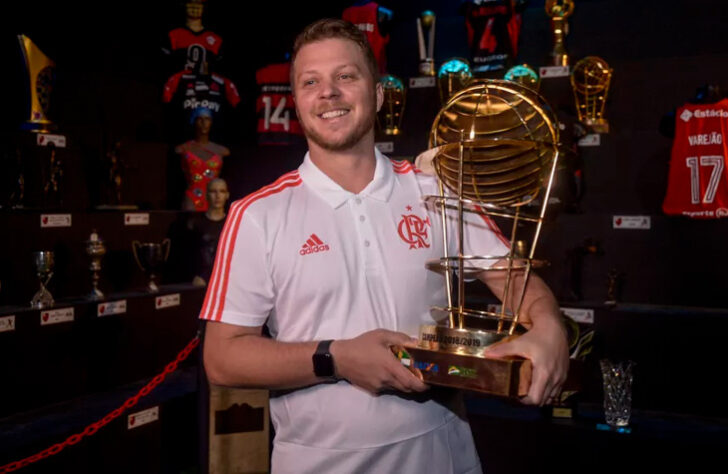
347	142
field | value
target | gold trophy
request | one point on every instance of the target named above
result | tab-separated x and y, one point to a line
40	79
389	116
590	81
44	263
523	74
559	11
426	22
95	249
495	154
454	74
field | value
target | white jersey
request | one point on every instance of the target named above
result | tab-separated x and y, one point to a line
313	262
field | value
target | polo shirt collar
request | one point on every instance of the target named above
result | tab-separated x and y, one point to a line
379	188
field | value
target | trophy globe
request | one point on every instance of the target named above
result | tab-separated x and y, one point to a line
590	81
495	154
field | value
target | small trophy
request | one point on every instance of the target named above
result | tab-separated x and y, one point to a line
496	152
590	81
523	74
44	269
95	249
454	74
40	79
389	116
559	11
426	22
150	257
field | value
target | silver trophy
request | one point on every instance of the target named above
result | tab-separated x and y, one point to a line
150	256
95	249
426	22
44	269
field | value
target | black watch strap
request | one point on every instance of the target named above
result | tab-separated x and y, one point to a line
323	361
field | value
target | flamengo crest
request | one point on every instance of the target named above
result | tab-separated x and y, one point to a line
413	230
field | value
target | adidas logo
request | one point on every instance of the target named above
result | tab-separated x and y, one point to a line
313	245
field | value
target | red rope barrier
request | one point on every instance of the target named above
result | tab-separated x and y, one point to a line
91	429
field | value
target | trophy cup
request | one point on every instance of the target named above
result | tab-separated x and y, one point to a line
523	74
559	11
150	257
44	269
426	22
389	116
495	153
590	81
454	74
95	249
40	79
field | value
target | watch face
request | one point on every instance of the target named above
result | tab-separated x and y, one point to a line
323	365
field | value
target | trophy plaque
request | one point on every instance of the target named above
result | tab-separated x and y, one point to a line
426	25
454	75
150	256
495	154
390	115
95	249
40	80
590	81
44	262
559	11
523	74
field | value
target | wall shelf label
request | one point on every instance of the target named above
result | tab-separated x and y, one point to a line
580	315
136	218
55	316
55	220
593	139
385	147
45	139
141	418
421	82
166	301
7	323
111	307
551	72
631	222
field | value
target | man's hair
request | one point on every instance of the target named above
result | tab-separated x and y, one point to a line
334	28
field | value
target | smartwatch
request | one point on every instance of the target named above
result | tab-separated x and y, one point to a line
323	361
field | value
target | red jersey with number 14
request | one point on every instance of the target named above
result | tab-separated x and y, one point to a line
698	182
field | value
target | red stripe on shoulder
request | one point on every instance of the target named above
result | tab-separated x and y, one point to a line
214	303
403	167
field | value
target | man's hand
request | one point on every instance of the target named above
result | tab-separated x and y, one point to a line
546	347
367	361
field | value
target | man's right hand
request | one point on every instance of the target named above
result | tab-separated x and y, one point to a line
367	361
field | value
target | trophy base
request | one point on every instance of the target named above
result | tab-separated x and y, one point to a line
503	377
598	126
95	295
42	301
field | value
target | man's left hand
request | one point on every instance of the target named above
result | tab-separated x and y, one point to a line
546	347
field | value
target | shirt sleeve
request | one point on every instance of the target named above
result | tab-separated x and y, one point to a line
241	289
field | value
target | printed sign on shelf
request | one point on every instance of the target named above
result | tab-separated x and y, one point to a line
136	218
166	301
593	139
7	323
141	418
55	316
385	147
580	315
631	222
420	82
55	220
111	307
45	139
549	72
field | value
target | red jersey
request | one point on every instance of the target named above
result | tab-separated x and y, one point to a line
366	18
698	183
493	28
277	121
196	90
191	49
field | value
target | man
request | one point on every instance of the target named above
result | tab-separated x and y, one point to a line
331	257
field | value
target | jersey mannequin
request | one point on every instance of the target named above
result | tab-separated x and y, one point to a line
201	160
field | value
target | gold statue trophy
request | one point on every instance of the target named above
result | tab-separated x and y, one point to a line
590	81
426	23
495	153
559	11
390	115
454	75
40	80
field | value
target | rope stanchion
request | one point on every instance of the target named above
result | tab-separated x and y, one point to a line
91	429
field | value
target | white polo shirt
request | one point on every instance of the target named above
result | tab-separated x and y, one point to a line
315	262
